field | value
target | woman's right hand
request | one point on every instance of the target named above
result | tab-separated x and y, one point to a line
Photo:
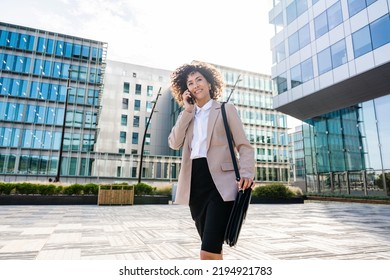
187	105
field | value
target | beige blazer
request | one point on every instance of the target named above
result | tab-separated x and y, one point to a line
218	154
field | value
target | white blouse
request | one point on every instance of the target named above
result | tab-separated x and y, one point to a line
199	139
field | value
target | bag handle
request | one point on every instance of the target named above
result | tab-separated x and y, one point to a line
230	141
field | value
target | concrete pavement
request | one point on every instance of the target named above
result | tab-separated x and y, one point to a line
313	230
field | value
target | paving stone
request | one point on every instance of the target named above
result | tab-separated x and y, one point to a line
313	230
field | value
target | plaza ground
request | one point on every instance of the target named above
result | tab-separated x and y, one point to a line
313	230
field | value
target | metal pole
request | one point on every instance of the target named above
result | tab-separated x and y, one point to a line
57	178
143	140
234	87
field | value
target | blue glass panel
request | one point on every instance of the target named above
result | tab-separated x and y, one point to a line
38	66
307	70
339	54
301	6
76	50
361	40
321	25
335	15
304	36
60	48
355	6
27	138
380	31
324	61
291	12
68	49
293	43
296	77
85	52
50	46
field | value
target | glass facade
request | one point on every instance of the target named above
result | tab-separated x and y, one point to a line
320	59
36	68
366	39
347	151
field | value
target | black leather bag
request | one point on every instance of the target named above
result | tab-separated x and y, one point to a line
241	203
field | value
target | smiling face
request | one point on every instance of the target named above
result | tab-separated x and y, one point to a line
199	87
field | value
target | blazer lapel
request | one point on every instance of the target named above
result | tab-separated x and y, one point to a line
214	112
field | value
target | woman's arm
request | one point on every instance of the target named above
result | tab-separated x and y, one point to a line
179	131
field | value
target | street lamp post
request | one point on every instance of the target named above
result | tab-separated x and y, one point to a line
143	140
57	178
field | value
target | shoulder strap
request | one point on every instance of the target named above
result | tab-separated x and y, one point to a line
229	137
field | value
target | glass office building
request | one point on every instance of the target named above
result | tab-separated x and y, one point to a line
331	60
265	127
41	74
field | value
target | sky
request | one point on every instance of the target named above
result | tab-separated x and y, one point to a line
162	34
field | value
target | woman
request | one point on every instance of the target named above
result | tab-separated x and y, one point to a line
207	180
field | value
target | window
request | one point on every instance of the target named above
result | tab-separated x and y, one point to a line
125	103
126	87
147	139
136	121
149	91
324	61
307	70
335	16
134	75
380	33
279	53
121	151
122	137
138	88
328	20
301	73
299	39
137	105
320	25
361	40
355	6
281	83
293	43
332	57
135	138
124	120
296	77
149	106
339	54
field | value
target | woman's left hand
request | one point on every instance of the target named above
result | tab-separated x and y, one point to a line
245	183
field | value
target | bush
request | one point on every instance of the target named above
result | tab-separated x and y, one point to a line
26	188
73	189
47	189
164	190
6	188
91	189
276	190
143	189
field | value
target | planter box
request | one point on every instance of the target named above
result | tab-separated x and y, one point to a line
112	196
259	200
152	199
47	199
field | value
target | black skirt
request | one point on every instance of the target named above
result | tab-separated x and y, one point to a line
207	207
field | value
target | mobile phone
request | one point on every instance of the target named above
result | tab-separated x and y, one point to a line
190	99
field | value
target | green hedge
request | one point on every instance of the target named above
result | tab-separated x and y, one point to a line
275	190
47	189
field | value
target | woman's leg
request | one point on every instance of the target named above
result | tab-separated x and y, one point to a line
216	218
204	255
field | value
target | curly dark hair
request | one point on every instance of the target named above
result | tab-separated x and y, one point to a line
211	74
